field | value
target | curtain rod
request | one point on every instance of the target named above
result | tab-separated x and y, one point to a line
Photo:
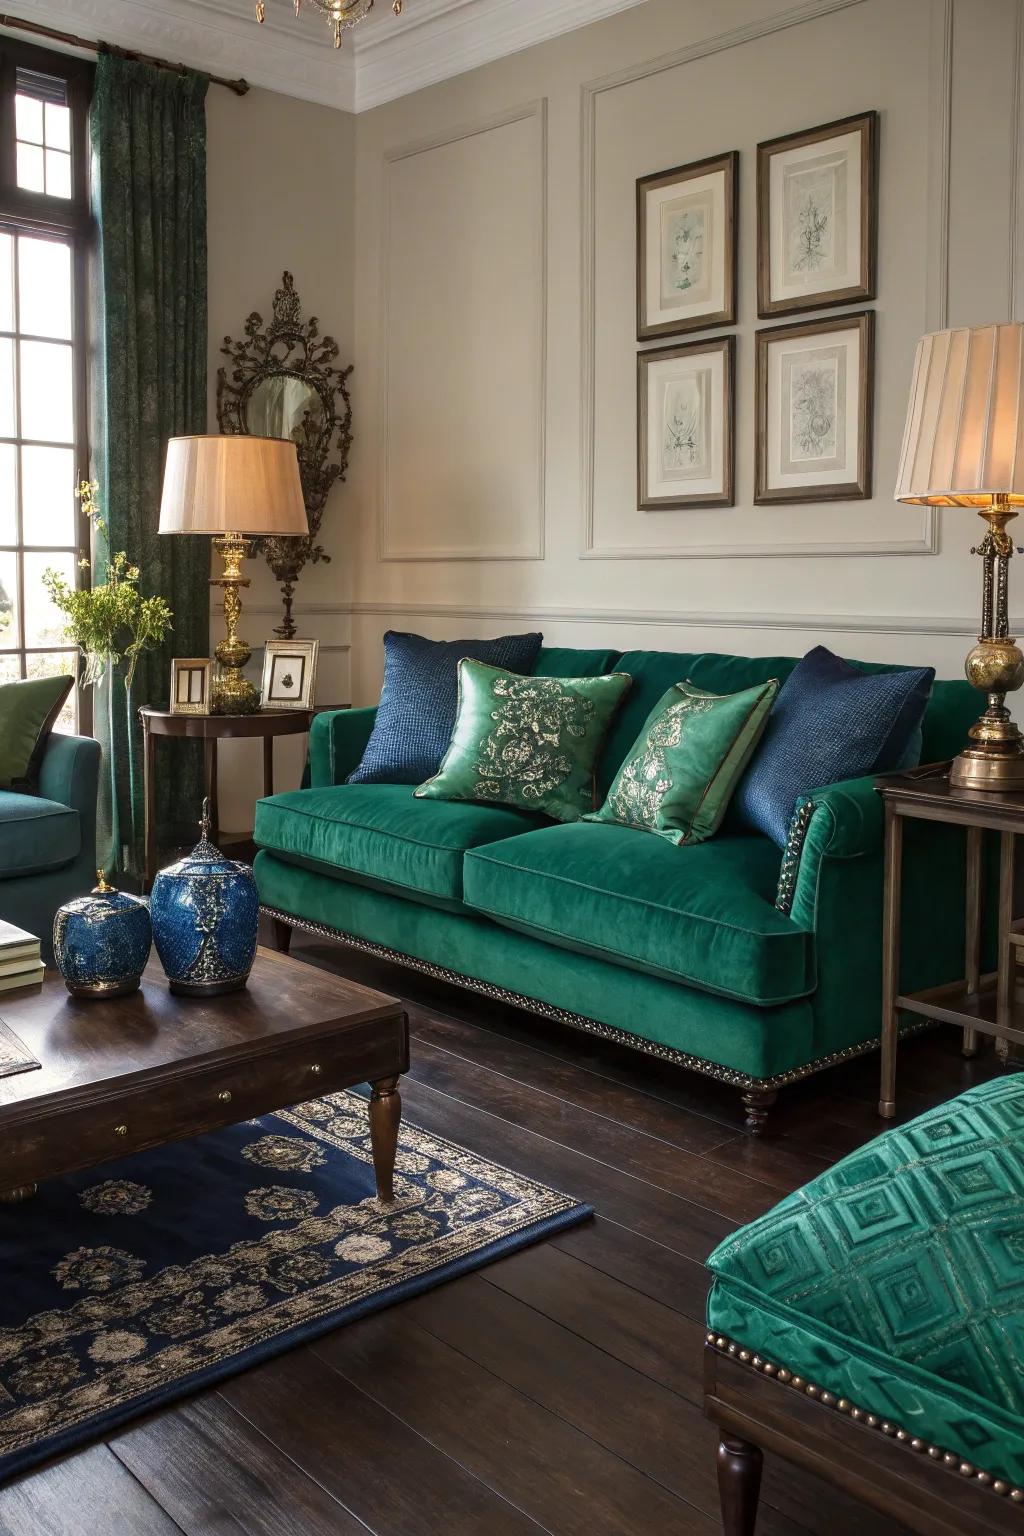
240	87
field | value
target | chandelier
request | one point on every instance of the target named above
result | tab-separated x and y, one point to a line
340	14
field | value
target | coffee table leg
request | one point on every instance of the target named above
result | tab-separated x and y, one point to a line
385	1118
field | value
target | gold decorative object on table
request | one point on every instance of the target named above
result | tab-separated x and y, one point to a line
233	488
963	446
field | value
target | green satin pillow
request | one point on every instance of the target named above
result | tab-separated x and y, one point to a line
531	742
687	760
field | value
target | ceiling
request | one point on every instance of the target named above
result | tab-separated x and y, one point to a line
384	57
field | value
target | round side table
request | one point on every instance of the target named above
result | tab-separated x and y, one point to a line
211	729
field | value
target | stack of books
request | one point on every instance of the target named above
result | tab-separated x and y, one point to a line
21	963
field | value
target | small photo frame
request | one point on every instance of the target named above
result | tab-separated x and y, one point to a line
190	685
685	425
814	410
686	223
289	673
817	216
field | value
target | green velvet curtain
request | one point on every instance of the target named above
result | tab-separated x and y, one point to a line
148	130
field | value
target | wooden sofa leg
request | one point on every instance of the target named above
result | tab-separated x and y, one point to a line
739	1485
282	934
757	1102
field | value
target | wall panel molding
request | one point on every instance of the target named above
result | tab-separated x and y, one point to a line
870	624
927	541
533	548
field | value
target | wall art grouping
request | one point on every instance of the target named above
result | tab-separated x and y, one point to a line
817	223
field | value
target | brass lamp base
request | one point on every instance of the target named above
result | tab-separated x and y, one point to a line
232	693
978	768
994	758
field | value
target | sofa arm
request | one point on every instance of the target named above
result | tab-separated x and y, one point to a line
69	774
337	739
838	821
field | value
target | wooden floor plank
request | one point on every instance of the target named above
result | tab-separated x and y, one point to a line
536	1459
247	1486
388	1475
87	1494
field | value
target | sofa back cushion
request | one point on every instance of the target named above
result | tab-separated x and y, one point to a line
954	704
566	661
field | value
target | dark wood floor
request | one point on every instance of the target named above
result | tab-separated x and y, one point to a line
557	1390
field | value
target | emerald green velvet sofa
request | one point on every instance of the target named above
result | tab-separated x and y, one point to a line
870	1327
755	966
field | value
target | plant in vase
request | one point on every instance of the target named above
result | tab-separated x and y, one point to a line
102	941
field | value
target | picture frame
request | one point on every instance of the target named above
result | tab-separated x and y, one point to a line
289	674
190	685
817	217
685	425
814	410
686	226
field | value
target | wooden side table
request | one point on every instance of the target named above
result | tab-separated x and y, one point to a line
210	729
981	1004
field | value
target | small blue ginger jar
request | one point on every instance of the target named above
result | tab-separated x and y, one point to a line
205	912
101	942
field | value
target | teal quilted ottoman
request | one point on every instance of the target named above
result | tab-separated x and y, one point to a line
890	1290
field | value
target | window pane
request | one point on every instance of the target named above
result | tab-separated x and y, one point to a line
8	601
30	168
58	173
6	282
6	388
44	624
8	508
44	287
10	668
46	397
28	118
58	126
57	664
47	495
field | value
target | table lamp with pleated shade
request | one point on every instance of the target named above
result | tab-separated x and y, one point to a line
964	447
232	487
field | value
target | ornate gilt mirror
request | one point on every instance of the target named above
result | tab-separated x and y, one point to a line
282	381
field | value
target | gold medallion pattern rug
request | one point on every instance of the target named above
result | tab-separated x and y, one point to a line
137	1282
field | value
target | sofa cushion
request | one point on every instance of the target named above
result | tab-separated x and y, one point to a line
703	914
381	835
896	1279
36	834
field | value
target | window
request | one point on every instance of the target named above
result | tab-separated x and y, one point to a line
44	229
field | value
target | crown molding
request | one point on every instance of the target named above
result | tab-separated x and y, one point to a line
380	60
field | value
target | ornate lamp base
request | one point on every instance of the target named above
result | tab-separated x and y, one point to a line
994	757
232	693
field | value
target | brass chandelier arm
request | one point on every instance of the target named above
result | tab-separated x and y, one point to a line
341	14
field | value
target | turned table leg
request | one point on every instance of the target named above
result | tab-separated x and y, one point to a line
385	1119
757	1102
739	1485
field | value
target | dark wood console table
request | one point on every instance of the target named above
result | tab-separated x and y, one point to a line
981	1004
210	729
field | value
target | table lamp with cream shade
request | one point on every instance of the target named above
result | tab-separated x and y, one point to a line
963	446
235	488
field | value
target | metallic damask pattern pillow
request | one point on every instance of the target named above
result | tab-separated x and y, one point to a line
687	760
530	742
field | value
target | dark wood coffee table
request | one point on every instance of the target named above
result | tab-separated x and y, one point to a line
133	1072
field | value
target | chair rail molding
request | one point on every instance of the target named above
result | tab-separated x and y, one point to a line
940	92
531	548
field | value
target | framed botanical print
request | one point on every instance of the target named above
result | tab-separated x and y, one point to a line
289	674
817	216
685	398
814	409
686	248
190	685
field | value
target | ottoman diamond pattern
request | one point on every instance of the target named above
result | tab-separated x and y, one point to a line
897	1277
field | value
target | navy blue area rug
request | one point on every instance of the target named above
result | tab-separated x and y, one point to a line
140	1281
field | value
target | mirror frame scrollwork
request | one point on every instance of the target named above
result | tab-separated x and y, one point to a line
293	348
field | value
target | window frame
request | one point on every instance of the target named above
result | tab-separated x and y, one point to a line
66	219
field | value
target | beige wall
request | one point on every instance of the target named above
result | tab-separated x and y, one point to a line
281	190
494	320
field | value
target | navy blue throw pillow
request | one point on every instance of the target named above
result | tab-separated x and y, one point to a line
830	722
420	698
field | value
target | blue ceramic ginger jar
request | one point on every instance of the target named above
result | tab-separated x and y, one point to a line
101	942
205	911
